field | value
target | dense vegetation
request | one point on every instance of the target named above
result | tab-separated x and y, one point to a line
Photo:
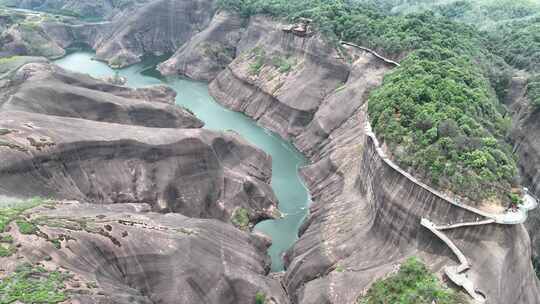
412	284
33	284
533	90
438	112
437	115
519	43
10	212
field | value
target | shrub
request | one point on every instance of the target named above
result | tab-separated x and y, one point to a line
240	218
7	250
26	227
11	211
412	284
30	284
260	298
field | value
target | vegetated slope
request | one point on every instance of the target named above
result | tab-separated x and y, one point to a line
438	112
483	14
412	284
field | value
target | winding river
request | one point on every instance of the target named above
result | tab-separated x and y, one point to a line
291	192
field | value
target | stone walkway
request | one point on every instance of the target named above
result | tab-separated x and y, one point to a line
458	274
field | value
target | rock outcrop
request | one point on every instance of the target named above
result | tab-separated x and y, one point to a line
191	171
28	39
125	254
280	79
208	52
48	89
526	123
122	153
157	28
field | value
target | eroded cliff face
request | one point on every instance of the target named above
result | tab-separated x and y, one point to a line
47	89
526	123
279	79
207	53
125	254
365	217
160	27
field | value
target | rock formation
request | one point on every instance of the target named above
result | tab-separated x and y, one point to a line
47	89
160	27
124	152
123	253
526	123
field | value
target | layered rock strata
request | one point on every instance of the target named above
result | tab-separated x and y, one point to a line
123	253
123	153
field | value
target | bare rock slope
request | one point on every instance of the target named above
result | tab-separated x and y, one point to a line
125	254
122	153
48	89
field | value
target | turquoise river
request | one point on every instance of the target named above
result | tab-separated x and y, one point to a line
291	192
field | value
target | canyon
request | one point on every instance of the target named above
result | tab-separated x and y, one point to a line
131	160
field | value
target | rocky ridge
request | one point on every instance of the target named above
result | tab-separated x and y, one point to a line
121	153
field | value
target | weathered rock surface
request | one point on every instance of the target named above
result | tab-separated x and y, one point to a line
157	28
125	254
365	217
205	55
48	89
195	172
124	152
526	123
279	79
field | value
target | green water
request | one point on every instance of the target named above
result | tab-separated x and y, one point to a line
286	160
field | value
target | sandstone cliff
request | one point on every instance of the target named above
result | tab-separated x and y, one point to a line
208	52
160	27
526	123
365	218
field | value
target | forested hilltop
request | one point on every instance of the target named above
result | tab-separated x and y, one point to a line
439	112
